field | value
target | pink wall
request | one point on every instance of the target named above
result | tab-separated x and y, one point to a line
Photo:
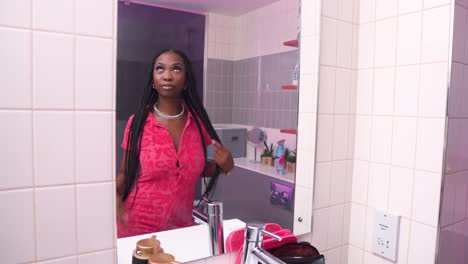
453	230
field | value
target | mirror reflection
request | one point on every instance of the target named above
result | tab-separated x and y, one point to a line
170	151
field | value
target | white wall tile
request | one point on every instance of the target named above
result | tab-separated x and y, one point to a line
366	45
366	11
385	42
320	228
384	90
322	181
54	152
363	137
340	137
379	181
381	141
15	13
351	136
107	256
324	137
95	217
333	256
54	15
18	226
365	86
401	191
94	17
435	34
344	49
430	143
335	226
326	100
345	10
404	141
357	226
53	63
406	90
434	89
55	222
16	150
403	241
346	223
67	260
433	3
93	146
422	244
328	42
385	9
409	39
330	8
407	6
94	73
338	182
15	66
426	197
354	254
360	180
343	91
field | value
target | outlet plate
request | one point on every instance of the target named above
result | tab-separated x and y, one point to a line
281	195
386	231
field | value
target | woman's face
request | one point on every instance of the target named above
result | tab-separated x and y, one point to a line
169	75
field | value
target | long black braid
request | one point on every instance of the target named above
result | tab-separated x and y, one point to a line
149	98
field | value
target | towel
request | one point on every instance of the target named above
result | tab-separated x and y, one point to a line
235	240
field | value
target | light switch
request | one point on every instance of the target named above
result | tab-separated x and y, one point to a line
385	236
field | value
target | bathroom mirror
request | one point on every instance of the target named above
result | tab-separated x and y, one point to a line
244	55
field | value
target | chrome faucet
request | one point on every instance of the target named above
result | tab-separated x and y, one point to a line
214	219
253	252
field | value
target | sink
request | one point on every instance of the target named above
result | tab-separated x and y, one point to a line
186	244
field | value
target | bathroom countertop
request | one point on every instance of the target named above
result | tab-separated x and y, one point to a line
263	169
185	244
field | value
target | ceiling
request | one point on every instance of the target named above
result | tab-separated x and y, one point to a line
224	7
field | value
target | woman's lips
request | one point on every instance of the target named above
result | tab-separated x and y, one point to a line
167	87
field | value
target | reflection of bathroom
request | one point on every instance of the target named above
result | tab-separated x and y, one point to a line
384	137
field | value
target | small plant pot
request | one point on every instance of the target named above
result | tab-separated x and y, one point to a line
291	166
267	161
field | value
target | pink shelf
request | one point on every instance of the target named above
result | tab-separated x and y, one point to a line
289	87
288	131
292	43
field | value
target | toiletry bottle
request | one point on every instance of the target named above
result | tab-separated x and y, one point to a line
280	159
295	80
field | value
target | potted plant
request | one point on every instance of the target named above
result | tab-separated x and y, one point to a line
291	161
267	155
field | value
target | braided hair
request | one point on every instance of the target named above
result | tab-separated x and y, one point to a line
149	98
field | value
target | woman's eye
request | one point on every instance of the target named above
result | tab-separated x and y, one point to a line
177	68
159	68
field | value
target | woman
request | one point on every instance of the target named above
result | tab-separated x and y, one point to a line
165	151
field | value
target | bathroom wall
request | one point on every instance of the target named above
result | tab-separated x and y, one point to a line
401	92
335	133
57	110
247	65
453	229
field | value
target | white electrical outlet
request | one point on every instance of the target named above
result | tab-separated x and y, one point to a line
385	239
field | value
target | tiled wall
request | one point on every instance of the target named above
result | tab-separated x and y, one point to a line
399	120
57	111
248	91
453	229
335	121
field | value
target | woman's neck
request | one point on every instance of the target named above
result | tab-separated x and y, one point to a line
169	106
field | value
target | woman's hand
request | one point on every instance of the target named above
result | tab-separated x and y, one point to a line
223	157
